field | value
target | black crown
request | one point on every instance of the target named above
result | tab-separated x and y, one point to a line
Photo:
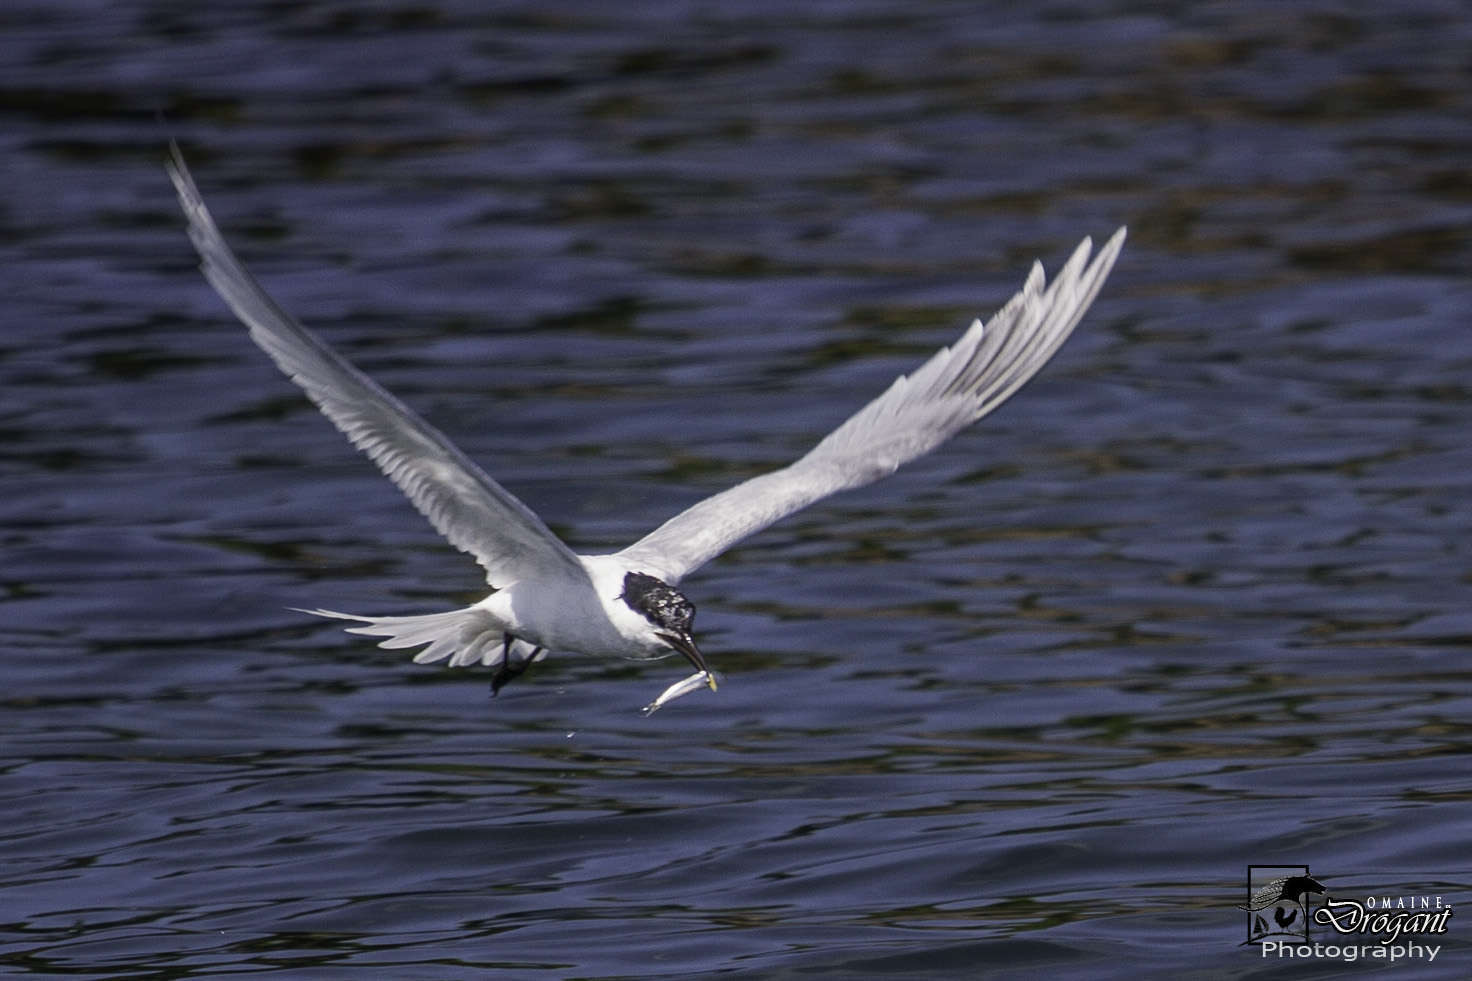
658	602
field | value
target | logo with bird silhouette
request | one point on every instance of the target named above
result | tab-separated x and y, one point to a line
1278	898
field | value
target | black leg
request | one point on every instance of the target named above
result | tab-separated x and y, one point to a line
511	668
500	676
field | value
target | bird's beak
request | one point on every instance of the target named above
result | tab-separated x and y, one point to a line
685	644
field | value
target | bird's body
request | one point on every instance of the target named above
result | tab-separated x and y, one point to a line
562	614
570	615
544	596
517	624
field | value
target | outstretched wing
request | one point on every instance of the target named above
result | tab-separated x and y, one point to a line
470	509
956	387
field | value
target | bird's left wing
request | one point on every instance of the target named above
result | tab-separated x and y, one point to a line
956	387
470	509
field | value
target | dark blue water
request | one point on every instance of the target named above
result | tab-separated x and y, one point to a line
1196	599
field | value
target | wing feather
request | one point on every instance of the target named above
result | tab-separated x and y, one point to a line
954	388
470	509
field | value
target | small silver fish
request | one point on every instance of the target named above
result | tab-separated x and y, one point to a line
683	687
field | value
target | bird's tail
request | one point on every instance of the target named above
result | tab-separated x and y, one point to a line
465	636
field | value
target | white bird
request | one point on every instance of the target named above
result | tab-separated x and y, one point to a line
544	596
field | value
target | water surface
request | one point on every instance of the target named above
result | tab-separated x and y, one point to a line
1196	599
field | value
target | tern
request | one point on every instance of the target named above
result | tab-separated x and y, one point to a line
546	597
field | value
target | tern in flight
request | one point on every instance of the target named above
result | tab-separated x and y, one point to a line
546	597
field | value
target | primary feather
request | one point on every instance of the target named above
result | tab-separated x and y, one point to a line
464	504
918	412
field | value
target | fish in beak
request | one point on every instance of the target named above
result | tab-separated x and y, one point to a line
702	677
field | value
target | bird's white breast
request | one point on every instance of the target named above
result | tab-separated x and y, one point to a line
585	616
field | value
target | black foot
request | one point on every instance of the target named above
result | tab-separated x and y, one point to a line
511	667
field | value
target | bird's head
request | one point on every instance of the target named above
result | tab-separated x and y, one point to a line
669	614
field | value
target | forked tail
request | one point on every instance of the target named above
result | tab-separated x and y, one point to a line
465	636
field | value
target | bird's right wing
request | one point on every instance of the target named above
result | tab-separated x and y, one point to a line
470	509
956	387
